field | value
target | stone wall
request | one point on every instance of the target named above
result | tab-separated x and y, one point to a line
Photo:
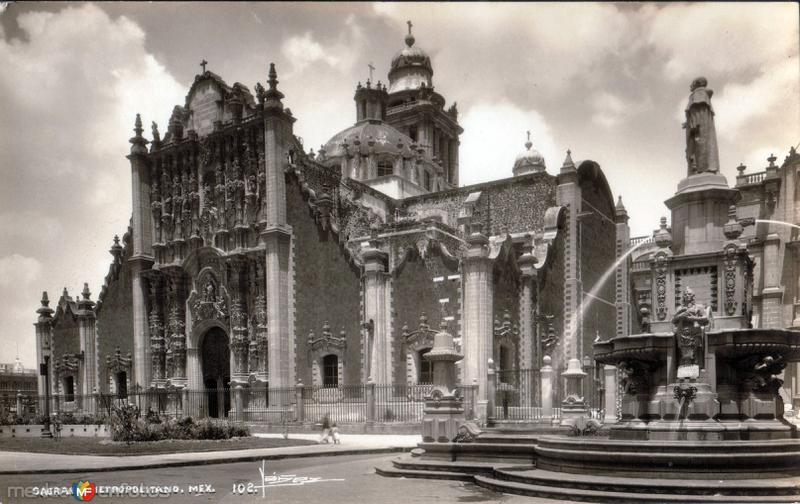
506	206
550	302
598	254
327	288
415	292
115	319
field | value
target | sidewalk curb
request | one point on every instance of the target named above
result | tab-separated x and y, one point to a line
227	460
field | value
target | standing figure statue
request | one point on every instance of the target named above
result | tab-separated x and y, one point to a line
702	154
689	321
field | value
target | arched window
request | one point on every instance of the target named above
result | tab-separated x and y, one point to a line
330	371
425	374
122	384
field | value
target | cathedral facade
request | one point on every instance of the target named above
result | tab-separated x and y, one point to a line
252	261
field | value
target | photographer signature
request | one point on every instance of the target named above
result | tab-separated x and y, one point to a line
275	480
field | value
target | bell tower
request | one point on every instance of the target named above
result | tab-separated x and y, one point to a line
416	109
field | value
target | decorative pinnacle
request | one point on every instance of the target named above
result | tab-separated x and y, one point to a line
409	37
86	294
568	164
528	144
741	168
45	300
273	77
137	126
272	96
620	206
771	160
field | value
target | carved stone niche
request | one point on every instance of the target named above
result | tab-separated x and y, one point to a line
414	342
209	299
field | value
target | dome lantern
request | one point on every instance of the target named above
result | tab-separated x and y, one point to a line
529	161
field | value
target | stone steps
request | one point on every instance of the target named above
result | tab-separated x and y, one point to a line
392	472
750	487
617	497
507	438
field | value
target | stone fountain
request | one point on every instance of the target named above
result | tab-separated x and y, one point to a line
701	419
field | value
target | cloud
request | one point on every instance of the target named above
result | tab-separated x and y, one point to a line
71	87
304	50
610	110
772	94
494	134
18	271
721	39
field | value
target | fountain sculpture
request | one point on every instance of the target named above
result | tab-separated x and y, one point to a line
700	415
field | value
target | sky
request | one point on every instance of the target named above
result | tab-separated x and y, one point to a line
608	81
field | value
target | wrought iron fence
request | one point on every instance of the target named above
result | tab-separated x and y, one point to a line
518	395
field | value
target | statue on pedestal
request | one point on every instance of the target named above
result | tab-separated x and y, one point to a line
702	154
689	321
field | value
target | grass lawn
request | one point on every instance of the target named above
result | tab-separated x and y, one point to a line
104	446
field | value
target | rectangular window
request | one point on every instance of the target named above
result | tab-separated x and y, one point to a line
69	389
385	168
427	179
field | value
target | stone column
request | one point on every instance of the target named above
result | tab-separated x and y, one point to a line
546	377
526	264
610	398
621	275
478	288
276	235
568	194
772	293
142	253
88	345
44	327
377	308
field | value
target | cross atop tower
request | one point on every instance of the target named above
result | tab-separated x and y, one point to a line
203	64
529	135
409	26
371	69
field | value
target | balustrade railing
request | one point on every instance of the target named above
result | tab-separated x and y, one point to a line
751	178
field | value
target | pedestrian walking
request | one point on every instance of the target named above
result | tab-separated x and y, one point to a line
326	429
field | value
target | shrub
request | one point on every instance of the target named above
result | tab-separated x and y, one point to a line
123	422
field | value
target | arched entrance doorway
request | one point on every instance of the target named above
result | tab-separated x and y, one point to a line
215	357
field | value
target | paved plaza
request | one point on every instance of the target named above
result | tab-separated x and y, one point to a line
350	479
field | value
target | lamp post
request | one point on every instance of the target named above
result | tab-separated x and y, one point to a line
45	370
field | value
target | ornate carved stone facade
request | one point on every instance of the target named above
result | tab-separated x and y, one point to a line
285	259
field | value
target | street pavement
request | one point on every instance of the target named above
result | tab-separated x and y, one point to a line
22	462
345	479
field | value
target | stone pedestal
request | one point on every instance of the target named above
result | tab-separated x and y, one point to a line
573	405
443	412
610	394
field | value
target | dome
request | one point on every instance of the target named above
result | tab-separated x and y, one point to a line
383	138
529	161
411	67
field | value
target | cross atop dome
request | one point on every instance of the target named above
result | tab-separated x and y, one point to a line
409	37
203	64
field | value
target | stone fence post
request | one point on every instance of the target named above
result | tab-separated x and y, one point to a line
299	407
546	376
610	395
184	402
491	388
474	391
370	392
